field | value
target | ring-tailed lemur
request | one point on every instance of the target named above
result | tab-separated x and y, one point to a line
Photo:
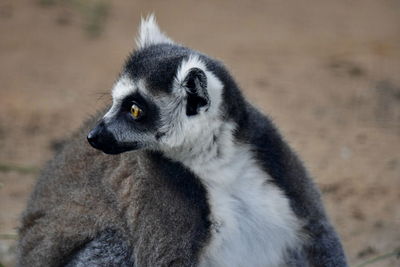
205	180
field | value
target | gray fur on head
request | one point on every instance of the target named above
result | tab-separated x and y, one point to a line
199	177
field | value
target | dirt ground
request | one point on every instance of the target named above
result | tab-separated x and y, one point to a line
327	72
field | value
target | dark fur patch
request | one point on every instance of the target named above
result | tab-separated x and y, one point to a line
150	120
196	89
157	64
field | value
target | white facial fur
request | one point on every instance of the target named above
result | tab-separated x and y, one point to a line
122	88
180	130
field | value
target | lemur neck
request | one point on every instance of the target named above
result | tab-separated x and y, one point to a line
211	151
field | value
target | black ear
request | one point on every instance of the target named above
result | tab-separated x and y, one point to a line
196	88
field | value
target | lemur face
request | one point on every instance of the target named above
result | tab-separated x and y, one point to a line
165	98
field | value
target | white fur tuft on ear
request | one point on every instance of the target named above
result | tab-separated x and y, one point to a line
150	33
214	85
186	65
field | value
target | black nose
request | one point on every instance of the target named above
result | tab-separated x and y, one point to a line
94	136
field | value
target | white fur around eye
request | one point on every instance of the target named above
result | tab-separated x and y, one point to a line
122	88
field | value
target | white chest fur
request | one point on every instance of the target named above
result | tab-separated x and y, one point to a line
252	223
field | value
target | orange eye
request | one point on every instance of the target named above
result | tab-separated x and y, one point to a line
136	111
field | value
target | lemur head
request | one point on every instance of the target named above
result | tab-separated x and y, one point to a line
166	97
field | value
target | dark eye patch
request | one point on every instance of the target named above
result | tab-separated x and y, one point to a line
151	115
134	98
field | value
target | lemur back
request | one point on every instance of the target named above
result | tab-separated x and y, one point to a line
198	177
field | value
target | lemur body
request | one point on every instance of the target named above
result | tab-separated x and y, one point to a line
205	180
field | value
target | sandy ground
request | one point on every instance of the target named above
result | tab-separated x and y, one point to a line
326	72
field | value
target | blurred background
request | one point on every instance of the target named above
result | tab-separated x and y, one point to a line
327	72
